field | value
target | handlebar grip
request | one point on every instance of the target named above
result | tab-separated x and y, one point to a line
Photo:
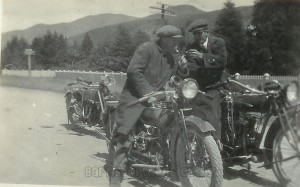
217	85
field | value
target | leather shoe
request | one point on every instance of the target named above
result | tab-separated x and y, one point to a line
116	178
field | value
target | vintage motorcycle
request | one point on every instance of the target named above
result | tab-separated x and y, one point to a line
262	126
168	138
85	102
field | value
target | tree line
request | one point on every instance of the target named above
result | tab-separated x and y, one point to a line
270	43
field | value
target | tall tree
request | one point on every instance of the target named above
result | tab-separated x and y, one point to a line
49	50
121	50
140	37
276	25
13	54
229	26
87	44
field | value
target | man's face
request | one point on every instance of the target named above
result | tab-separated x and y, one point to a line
169	44
200	37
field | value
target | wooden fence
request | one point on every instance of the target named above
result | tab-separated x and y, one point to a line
256	80
120	77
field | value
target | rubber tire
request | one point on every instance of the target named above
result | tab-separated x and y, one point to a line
276	168
213	152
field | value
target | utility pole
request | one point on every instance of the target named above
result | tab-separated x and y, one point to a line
165	10
29	52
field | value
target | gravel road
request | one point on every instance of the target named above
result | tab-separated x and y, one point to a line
37	146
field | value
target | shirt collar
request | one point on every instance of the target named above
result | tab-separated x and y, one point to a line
205	43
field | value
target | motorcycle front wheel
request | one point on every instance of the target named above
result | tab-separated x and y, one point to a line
74	111
286	158
202	166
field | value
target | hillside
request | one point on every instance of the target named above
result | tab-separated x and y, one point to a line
103	27
183	18
69	29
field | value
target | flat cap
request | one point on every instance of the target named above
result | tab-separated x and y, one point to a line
198	25
167	31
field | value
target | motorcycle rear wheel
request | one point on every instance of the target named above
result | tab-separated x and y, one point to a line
207	166
286	160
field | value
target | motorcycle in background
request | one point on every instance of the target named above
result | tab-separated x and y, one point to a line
85	102
262	126
168	138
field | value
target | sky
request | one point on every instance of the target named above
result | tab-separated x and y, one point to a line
22	14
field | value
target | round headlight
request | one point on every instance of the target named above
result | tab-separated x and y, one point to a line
292	92
189	88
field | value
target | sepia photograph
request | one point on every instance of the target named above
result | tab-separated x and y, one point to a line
147	93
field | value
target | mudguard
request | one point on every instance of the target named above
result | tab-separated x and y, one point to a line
202	125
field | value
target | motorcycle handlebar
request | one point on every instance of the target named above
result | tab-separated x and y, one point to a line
148	96
218	85
222	83
81	80
247	88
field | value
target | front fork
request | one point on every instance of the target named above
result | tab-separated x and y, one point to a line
183	132
286	125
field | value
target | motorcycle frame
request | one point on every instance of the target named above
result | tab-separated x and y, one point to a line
179	126
273	121
101	102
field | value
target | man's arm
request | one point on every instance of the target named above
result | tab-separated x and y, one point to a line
218	57
136	69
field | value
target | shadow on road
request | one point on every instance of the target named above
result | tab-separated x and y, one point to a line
81	131
138	177
144	178
104	157
250	176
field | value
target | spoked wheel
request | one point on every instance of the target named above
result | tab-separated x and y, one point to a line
286	158
74	113
203	166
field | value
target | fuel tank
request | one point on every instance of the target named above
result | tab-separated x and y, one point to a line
157	117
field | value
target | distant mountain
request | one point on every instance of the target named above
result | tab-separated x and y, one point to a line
69	29
103	27
185	15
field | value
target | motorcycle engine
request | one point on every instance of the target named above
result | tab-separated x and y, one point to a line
151	145
250	124
146	136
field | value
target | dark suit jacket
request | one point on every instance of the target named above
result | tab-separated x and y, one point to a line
208	71
149	70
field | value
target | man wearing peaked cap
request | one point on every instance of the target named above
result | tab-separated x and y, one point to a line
198	25
168	31
151	66
207	57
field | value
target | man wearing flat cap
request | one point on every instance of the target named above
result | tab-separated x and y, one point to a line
151	66
207	57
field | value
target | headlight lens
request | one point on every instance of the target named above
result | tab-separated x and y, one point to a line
189	88
292	92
